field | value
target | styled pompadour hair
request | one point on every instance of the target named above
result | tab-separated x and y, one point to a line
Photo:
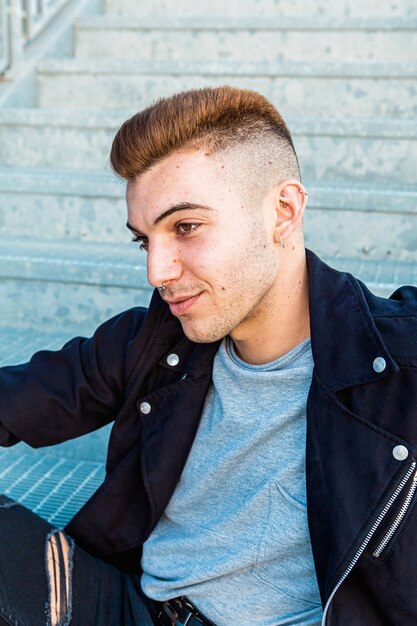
213	118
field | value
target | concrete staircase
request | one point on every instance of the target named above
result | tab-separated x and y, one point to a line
343	75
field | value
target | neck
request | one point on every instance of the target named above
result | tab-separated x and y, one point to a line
282	320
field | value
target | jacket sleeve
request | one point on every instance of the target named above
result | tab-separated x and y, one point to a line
63	394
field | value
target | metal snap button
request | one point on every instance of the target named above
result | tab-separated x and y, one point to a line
379	364
173	359
145	408
400	453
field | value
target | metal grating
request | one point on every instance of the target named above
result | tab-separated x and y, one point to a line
54	488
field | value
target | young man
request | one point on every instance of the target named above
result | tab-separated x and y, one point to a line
261	468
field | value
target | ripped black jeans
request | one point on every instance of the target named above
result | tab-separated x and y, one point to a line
46	580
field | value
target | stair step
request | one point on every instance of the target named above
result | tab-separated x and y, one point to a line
328	148
255	8
18	345
83	263
382	277
52	306
268	38
358	150
128	67
389	199
51	486
62	205
244	21
362	221
51	285
38	137
378	236
327	89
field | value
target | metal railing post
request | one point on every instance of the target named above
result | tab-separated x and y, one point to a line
21	21
4	36
27	18
16	31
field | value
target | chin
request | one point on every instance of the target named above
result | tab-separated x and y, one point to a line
202	335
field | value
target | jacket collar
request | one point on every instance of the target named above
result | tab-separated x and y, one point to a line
344	338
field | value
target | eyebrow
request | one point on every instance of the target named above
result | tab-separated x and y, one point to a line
182	206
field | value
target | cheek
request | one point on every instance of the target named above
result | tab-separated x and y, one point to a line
206	257
222	261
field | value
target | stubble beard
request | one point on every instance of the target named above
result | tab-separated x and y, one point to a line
256	286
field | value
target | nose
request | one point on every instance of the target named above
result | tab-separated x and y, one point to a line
163	264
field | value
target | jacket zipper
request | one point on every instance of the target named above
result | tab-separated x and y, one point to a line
399	518
374	528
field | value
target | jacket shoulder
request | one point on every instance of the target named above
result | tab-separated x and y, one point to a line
117	340
396	320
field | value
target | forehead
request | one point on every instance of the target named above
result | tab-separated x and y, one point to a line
182	177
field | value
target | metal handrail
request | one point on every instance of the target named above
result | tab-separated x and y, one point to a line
21	21
38	13
4	35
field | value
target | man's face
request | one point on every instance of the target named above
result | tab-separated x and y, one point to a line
214	255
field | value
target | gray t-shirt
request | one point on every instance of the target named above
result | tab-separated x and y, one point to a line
234	537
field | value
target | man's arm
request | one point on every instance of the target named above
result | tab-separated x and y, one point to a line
64	394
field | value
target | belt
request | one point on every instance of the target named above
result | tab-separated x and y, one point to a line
180	612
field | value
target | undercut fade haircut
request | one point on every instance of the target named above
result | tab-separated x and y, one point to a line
213	118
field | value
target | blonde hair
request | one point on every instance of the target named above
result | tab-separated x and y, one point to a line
213	118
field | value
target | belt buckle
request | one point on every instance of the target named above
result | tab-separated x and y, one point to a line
169	615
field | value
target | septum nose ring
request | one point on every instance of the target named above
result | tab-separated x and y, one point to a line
161	288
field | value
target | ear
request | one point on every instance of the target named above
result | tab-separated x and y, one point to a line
290	200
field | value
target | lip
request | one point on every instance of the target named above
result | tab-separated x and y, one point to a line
179	306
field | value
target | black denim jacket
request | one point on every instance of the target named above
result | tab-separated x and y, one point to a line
361	498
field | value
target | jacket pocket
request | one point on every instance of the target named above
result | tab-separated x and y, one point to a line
402	502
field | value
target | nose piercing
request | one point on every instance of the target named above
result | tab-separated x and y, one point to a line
161	288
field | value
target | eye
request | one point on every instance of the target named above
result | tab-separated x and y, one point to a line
184	228
141	240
